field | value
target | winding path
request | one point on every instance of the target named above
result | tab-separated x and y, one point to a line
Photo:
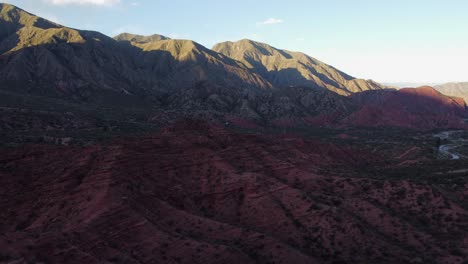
445	150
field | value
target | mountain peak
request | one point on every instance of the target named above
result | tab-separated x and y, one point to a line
287	68
19	29
174	46
5	7
423	90
139	38
247	41
243	46
427	88
12	16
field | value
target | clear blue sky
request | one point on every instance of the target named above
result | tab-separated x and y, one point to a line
388	41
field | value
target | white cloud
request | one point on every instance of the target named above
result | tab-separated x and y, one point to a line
271	21
84	2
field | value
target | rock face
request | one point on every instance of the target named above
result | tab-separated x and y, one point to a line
454	89
198	193
419	108
286	68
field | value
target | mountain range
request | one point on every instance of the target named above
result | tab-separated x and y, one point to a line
40	47
246	79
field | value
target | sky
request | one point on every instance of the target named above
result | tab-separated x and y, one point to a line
415	41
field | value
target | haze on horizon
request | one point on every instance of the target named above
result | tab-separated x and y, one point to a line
387	41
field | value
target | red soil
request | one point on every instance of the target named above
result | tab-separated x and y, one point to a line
196	193
240	122
419	108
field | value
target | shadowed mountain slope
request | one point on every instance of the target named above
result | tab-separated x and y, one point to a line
182	62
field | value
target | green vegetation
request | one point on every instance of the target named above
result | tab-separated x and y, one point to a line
44	119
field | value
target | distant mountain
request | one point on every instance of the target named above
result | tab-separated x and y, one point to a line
459	89
409	84
286	68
